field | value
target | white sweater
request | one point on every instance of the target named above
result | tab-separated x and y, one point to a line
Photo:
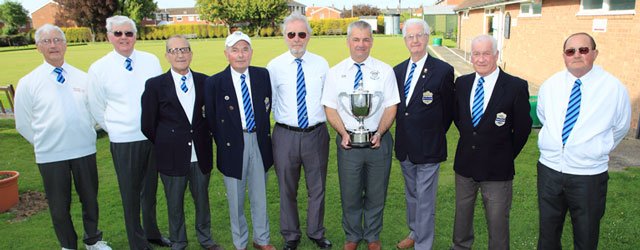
115	92
55	117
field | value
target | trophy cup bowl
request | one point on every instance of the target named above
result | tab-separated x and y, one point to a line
360	109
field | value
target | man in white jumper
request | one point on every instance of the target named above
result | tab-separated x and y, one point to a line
51	113
116	83
585	113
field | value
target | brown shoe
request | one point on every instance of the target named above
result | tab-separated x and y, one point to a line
350	245
406	243
374	245
215	247
263	247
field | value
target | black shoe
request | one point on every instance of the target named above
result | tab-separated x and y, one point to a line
291	245
162	242
322	243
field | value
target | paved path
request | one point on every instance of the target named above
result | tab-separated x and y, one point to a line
455	57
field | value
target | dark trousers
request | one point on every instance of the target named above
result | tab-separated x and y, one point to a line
138	182
584	196
56	177
291	150
364	178
174	189
496	198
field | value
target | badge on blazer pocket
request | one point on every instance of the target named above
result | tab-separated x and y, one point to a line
501	118
427	97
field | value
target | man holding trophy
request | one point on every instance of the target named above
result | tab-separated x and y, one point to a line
360	98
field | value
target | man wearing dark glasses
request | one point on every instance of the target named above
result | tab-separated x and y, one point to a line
183	153
585	113
300	137
116	83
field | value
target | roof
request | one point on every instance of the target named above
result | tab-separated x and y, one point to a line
181	11
471	4
439	10
314	9
294	3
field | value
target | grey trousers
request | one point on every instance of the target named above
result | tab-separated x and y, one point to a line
174	189
364	178
496	197
291	150
255	179
138	183
583	196
421	186
56	177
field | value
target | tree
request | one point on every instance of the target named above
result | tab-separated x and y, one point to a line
251	14
361	10
138	9
14	16
88	13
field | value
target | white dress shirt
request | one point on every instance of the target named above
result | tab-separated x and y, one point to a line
488	86
283	71
235	76
416	76
604	119
114	93
377	76
187	101
54	117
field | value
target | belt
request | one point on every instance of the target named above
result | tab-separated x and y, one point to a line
247	131
297	129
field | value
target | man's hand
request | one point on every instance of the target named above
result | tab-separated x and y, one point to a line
375	140
346	141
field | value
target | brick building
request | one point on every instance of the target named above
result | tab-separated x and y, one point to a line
321	12
531	33
48	14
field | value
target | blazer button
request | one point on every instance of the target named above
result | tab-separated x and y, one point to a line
406	114
191	131
228	144
222	121
173	131
473	147
475	133
189	143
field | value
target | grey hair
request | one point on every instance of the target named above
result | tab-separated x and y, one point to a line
120	20
296	16
359	25
416	21
49	28
177	37
485	38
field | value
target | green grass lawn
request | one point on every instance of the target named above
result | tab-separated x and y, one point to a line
619	228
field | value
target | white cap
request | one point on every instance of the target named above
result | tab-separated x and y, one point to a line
236	37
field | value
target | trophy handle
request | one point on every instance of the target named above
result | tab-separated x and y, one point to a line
341	97
379	96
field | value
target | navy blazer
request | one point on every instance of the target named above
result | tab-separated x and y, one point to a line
223	114
421	126
487	152
167	126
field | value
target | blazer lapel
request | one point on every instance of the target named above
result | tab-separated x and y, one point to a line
172	95
403	73
230	100
496	96
198	85
256	97
466	84
423	77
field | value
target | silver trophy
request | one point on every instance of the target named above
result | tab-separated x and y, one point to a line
360	109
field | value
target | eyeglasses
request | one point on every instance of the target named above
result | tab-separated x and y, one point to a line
572	51
412	36
292	35
176	51
54	41
120	33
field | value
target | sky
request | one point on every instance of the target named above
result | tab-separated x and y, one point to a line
32	5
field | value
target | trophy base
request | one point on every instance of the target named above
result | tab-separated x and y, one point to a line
360	139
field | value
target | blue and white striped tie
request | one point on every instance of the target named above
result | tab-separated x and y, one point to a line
183	86
358	80
127	64
301	93
478	103
59	77
573	110
407	84
246	103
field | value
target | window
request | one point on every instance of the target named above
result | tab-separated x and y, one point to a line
465	14
613	7
179	18
531	9
192	18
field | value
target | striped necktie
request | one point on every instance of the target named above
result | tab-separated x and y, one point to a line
246	103
407	84
357	83
127	64
183	86
478	103
573	110
301	93
59	77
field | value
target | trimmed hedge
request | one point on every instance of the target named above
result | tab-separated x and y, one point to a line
331	26
77	35
22	39
190	30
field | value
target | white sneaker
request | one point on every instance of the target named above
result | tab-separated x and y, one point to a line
100	245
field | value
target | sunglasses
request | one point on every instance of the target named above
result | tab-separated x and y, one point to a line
120	33
176	51
292	35
572	51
